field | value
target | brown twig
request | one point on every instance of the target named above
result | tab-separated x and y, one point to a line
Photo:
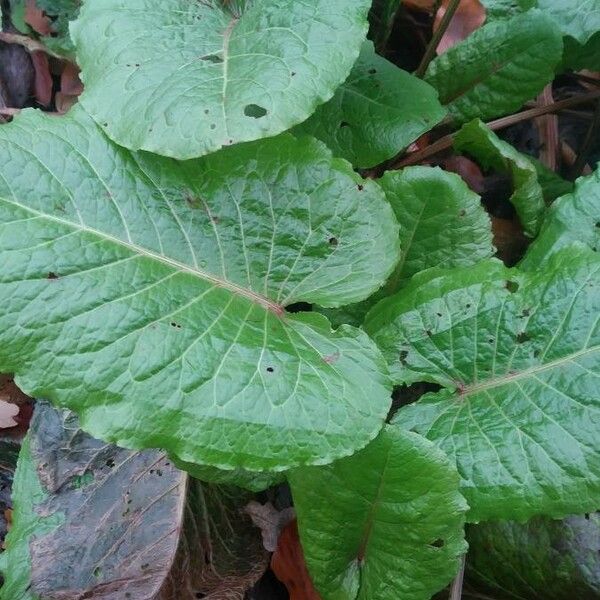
580	161
444	143
438	34
547	127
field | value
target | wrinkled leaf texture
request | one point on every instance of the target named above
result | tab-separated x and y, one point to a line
148	295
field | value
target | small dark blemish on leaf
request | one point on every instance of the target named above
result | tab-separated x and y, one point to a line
511	286
523	337
462	213
491	341
110	463
403	356
360	187
468	305
439	543
176	325
52	275
145	566
344	124
333	241
97	572
598	224
428	332
372	71
137	64
526	312
439	314
293	73
255	111
213	58
270	369
213	126
330	359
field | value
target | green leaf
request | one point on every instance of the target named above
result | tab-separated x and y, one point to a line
248	480
381	18
578	56
442	224
572	218
476	139
376	113
577	19
384	524
518	358
553	185
554	560
151	293
144	530
498	67
61	12
184	78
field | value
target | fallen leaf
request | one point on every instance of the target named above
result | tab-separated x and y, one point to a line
70	88
8	412
37	19
269	520
43	79
468	170
468	17
288	565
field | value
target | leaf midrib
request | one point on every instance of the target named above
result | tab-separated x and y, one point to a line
236	289
510	378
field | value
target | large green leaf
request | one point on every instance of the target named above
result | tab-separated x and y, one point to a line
149	295
518	358
574	218
93	520
384	524
542	559
498	67
442	224
185	78
376	113
478	140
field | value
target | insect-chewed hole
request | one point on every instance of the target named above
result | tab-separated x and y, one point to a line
511	286
255	111
439	543
270	369
213	58
523	337
344	124
333	241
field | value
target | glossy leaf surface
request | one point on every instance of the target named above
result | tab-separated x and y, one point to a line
498	67
384	524
150	294
184	79
518	358
376	113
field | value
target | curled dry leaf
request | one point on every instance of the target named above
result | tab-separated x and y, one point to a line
289	566
269	520
37	19
42	85
468	17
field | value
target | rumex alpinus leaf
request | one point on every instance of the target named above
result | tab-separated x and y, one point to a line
384	524
148	295
518	356
477	140
152	535
442	224
574	218
555	560
498	67
378	111
184	78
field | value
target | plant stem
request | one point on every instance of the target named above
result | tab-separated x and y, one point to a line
446	142
456	591
579	164
436	37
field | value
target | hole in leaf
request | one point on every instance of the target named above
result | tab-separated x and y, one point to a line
333	241
176	325
511	286
439	543
403	356
587	516
372	71
299	307
255	111
110	463
270	369
407	394
52	275
213	58
360	187
523	337
344	124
